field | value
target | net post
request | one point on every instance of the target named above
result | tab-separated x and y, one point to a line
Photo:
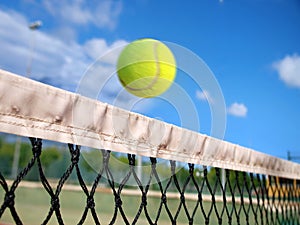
223	176
139	167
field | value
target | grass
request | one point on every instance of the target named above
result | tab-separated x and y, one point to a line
33	204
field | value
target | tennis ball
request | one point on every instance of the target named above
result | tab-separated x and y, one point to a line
146	68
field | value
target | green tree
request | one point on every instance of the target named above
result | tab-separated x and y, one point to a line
25	154
50	155
1	141
238	178
211	176
91	160
6	157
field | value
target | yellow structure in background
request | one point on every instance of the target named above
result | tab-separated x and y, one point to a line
283	188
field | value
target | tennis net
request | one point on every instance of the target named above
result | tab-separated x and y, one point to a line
187	177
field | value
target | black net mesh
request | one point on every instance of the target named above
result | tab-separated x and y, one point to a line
189	194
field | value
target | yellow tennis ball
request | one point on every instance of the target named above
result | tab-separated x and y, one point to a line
146	68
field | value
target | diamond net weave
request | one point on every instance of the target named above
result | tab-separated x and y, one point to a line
242	198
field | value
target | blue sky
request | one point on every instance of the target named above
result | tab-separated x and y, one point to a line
251	46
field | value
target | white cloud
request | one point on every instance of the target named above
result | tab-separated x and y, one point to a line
201	95
103	14
96	48
204	96
237	109
55	61
288	69
107	13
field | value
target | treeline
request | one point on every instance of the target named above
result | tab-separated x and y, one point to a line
56	158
